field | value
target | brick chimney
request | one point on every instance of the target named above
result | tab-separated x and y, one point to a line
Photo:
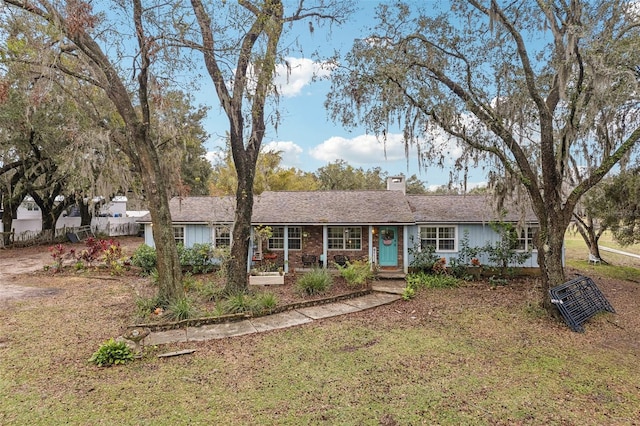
397	183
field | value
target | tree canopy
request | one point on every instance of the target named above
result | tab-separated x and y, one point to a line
544	92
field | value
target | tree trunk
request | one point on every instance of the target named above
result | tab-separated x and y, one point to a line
168	265
237	281
8	213
85	215
550	259
589	235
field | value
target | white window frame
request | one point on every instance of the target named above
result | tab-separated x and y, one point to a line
225	239
277	236
439	237
179	234
344	238
526	243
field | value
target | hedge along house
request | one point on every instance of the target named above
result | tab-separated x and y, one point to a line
320	228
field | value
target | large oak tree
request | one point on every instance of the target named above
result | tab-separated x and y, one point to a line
239	44
546	91
78	50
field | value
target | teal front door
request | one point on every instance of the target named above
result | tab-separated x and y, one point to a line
388	246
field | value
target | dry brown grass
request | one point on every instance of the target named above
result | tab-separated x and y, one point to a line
470	355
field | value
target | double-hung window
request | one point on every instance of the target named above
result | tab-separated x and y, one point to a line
525	238
294	238
441	238
345	238
222	236
178	234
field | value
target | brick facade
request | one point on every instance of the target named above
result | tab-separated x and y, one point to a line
312	245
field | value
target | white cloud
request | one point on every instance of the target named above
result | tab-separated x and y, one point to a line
367	150
290	152
292	76
297	73
360	150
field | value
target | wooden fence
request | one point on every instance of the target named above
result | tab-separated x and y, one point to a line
31	238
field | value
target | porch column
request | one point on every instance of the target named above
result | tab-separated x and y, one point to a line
405	249
286	248
372	260
325	245
250	253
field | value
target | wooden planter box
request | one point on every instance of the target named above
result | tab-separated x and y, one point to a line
268	278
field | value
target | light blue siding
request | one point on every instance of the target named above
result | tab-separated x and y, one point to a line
197	234
148	235
478	234
193	234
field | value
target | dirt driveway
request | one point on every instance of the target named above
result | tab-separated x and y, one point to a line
16	263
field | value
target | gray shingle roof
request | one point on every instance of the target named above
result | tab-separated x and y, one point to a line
464	209
334	207
346	207
199	210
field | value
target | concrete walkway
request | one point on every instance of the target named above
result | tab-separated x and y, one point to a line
388	294
624	253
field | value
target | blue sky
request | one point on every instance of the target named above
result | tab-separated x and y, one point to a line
306	136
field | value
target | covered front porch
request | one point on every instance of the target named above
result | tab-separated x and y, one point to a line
303	247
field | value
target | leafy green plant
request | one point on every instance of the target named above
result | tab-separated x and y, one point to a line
198	257
495	281
408	293
423	280
145	257
238	303
422	258
112	353
181	309
467	257
112	251
316	281
265	303
209	291
145	306
356	273
189	282
153	275
504	253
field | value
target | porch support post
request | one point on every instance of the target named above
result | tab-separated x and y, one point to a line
371	259
325	246
250	251
286	248
405	249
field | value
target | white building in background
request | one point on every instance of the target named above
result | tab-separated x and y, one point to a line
113	218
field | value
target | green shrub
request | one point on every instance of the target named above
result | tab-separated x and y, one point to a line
145	306
423	280
198	257
210	291
181	309
505	253
423	259
356	273
112	353
316	281
145	258
189	282
238	303
155	277
265	303
408	293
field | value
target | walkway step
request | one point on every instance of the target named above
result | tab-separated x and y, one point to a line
281	320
